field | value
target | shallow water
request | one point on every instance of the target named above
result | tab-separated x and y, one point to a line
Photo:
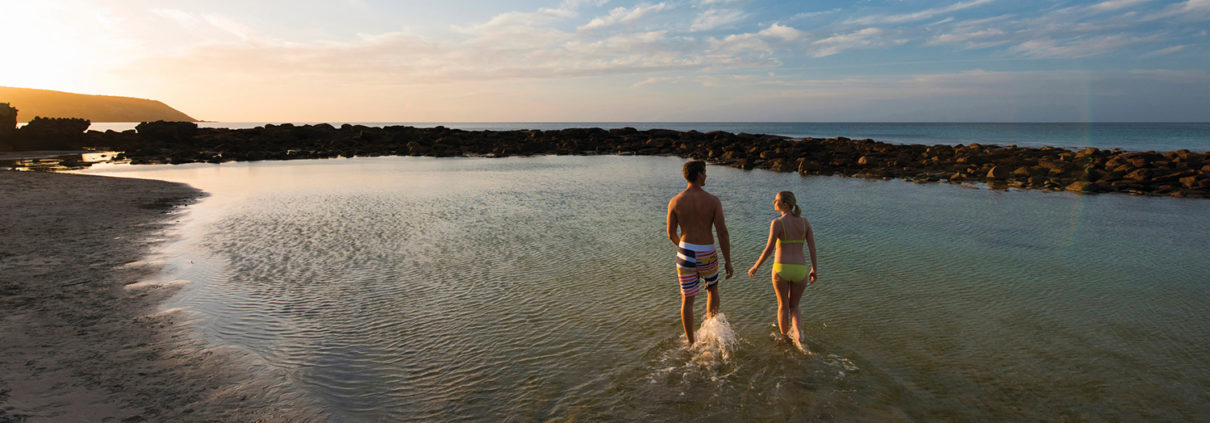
544	288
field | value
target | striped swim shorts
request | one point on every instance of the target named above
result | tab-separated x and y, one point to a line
693	264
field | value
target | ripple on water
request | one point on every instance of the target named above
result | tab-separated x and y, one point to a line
543	288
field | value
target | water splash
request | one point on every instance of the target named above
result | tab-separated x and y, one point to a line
715	342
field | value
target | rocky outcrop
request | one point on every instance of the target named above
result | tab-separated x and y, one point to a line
1178	173
8	120
51	134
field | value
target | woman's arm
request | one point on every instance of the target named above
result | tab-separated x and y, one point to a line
764	255
810	247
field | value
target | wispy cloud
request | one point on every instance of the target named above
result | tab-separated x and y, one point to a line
655	80
1168	50
621	16
189	19
837	43
1111	5
570	8
916	16
716	18
1081	47
808	15
965	35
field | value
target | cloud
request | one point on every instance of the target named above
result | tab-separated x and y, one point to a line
1168	50
1081	47
916	16
965	35
621	16
180	16
570	8
655	80
807	15
715	18
1190	10
780	31
835	44
1111	5
216	21
735	45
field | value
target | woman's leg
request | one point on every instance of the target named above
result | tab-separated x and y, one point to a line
794	293
782	289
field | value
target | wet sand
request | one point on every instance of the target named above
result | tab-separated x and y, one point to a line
83	335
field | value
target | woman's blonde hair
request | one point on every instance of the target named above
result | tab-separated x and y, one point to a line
788	198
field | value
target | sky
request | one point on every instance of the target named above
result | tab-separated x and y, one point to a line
624	61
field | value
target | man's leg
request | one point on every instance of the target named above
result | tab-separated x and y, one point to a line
708	272
687	316
711	300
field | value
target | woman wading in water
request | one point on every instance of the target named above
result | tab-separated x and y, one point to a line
790	274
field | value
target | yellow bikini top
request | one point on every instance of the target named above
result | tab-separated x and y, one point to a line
792	241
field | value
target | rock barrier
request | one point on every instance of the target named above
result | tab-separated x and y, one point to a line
1177	173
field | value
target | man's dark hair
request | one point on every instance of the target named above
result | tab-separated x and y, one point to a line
692	169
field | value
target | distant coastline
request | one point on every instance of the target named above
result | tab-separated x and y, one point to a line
32	103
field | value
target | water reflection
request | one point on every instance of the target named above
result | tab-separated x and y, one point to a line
55	161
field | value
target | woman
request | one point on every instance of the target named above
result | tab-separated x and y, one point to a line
789	232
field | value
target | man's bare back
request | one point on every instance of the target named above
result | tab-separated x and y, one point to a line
694	210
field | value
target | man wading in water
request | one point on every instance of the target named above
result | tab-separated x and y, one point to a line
695	211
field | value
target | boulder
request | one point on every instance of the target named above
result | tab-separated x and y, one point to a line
997	172
780	165
8	122
51	134
1139	175
1079	186
1189	181
168	131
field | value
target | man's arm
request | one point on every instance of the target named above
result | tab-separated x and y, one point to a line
724	238
673	223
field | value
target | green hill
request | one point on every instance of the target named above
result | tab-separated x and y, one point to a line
96	108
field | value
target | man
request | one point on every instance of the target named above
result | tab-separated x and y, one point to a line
695	211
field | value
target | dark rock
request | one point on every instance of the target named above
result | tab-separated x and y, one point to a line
1080	186
51	134
997	172
1139	175
8	126
167	131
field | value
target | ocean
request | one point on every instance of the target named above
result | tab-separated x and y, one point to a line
1127	136
544	288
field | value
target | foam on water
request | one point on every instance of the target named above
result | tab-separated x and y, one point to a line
715	342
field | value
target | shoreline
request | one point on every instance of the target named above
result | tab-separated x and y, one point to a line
82	341
1180	173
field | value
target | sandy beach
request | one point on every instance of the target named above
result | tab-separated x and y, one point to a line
84	338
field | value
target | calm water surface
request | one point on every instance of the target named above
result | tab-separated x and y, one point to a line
543	288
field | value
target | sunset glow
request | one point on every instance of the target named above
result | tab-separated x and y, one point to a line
600	60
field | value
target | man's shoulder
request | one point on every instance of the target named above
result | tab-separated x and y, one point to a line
677	197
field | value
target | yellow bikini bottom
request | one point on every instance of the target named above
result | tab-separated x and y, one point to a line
790	272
